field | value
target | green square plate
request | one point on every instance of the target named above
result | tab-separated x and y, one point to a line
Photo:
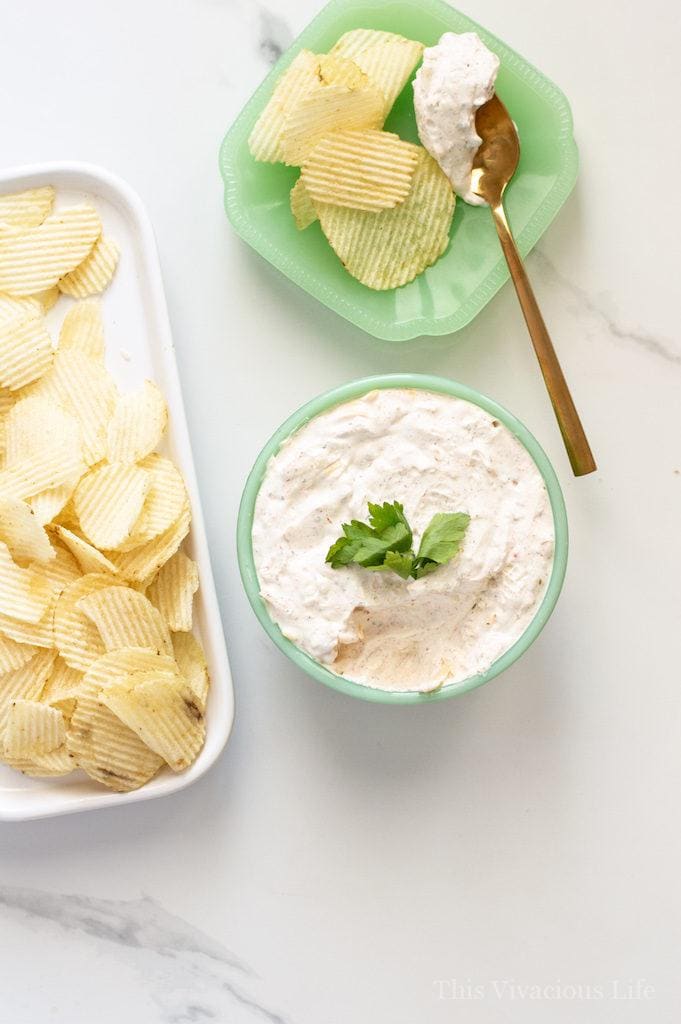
449	294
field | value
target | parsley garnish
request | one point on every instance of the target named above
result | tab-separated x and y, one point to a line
385	544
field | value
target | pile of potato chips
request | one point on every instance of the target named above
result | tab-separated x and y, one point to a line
384	204
99	669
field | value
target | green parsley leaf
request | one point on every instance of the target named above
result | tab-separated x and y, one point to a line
386	543
443	536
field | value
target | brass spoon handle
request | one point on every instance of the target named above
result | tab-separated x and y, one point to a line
579	452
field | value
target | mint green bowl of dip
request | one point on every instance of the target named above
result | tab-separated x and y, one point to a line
347	393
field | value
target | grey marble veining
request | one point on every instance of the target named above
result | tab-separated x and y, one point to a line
274	34
188	974
585	304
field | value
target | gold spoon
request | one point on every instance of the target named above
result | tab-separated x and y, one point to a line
493	168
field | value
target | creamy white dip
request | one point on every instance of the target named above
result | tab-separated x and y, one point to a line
457	76
433	453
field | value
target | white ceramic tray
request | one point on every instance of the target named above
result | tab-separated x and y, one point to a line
139	346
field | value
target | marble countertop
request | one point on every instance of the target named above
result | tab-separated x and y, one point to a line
512	855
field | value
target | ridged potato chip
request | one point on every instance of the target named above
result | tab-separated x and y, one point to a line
47	505
63	687
191	662
163	712
299	78
25	682
36	259
164	502
23	534
57	762
389	248
389	65
7	400
116	666
14	655
88	557
125	618
365	170
39	421
44	470
302	207
106	749
48	298
358	39
335	69
75	636
141	564
38	634
137	425
26	351
86	389
32	729
28	208
62	570
83	331
94	274
108	502
172	592
11	306
328	110
24	593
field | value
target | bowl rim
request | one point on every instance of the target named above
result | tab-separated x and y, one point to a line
338	396
285	260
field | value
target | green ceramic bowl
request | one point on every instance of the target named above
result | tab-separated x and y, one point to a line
345	394
454	290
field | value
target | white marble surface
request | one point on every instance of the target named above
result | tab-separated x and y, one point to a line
343	859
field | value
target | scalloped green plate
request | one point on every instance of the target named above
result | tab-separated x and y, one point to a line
450	293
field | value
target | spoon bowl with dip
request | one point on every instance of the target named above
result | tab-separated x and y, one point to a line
494	165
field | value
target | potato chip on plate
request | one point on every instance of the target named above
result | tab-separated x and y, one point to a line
27	208
24	593
173	589
95	272
23	534
365	170
12	306
86	389
388	248
302	207
191	662
299	78
105	748
34	260
141	564
163	711
31	729
82	329
137	425
115	666
125	618
25	682
166	497
328	110
26	351
14	655
76	637
358	39
39	421
389	64
88	557
108	501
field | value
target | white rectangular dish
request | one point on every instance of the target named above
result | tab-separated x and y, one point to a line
138	346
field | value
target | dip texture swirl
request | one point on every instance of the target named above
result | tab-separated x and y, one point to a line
457	76
434	453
